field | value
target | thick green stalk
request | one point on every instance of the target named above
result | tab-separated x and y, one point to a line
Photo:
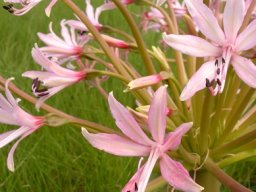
208	181
137	35
225	179
155	184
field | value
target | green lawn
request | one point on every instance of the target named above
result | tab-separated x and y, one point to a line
59	159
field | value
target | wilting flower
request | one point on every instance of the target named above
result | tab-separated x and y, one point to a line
26	5
137	143
70	46
225	47
55	78
12	114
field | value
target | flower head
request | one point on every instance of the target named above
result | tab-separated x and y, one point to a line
137	143
53	79
224	48
12	114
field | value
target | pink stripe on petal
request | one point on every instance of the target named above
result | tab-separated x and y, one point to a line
233	18
246	40
198	80
115	144
205	20
173	140
245	69
177	176
126	122
157	115
192	45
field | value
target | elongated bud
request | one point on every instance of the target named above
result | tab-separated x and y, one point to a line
160	56
147	81
54	120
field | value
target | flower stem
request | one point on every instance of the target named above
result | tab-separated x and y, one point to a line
224	178
208	181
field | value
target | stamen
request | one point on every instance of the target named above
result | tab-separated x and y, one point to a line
9	8
136	187
218	71
36	88
223	60
82	32
216	62
219	82
42	94
208	83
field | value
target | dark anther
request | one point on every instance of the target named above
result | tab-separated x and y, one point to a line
218	71
223	60
208	83
216	62
218	82
42	94
136	187
82	32
8	7
36	88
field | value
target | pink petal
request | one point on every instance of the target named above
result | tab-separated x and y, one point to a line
8	94
7	118
10	162
10	136
245	69
4	104
174	138
233	18
205	20
192	45
177	176
115	144
157	115
49	7
198	80
126	122
106	6
246	40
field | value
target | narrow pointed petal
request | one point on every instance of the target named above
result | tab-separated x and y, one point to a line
233	18
177	176
149	166
49	7
12	136
9	96
157	115
245	69
205	20
246	40
192	45
174	138
198	80
115	144
10	161
126	122
4	104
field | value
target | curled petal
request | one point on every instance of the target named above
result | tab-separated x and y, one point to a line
115	144
245	69
205	20
157	115
192	45
49	7
177	176
174	138
198	80
246	40
126	122
233	18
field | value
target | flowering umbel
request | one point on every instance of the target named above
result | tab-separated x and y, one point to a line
12	114
137	143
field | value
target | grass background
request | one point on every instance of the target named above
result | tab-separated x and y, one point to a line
59	159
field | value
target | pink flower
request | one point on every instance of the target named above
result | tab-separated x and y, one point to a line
137	143
225	47
53	79
12	114
70	47
26	5
153	20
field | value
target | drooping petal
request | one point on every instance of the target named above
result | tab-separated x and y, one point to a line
115	144
205	20
7	138
10	161
157	115
192	45
9	96
49	7
198	80
126	122
245	69
233	17
177	176
246	40
174	138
